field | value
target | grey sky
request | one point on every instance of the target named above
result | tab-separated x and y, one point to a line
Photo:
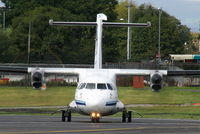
1	4
187	11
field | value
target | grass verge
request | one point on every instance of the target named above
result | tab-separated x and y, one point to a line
58	96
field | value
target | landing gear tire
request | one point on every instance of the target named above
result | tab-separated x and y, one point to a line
124	116
66	114
95	120
69	116
63	116
127	115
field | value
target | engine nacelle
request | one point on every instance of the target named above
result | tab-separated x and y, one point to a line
156	81
37	78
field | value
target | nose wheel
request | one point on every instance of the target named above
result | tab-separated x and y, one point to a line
95	117
66	114
95	120
126	115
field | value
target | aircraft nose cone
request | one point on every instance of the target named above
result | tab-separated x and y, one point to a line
95	104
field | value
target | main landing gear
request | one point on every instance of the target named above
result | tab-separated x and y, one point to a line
127	115
66	114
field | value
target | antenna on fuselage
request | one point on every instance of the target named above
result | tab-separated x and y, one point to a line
99	23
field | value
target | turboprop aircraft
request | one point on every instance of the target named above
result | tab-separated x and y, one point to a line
96	94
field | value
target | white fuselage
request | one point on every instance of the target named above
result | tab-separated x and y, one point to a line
97	92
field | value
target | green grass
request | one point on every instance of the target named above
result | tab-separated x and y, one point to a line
169	112
54	96
168	95
27	96
165	112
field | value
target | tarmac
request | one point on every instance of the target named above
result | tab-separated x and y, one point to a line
37	124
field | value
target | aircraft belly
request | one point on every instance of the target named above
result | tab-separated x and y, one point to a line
107	108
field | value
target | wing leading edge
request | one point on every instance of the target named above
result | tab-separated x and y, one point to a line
183	72
13	69
136	71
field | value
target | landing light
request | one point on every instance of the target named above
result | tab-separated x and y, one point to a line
95	115
98	115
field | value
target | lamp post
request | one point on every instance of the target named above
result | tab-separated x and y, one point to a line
29	41
4	20
3	8
159	21
129	32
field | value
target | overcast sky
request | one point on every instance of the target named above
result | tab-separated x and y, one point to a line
187	11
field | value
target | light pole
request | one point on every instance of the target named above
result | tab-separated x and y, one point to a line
29	41
4	20
3	8
129	32
159	21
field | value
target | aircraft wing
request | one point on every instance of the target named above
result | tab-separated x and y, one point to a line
137	71
19	69
14	69
149	72
76	71
183	72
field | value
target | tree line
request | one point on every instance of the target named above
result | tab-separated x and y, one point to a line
71	45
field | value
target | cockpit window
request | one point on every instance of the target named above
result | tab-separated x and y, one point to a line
90	86
109	86
82	86
101	86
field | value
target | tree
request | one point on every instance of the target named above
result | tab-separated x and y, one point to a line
5	46
121	33
55	43
145	40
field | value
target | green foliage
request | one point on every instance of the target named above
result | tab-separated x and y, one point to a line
45	39
59	44
145	40
55	44
5	45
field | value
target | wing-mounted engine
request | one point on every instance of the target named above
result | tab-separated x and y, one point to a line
37	79
156	81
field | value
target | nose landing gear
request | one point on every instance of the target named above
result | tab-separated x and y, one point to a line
127	115
95	116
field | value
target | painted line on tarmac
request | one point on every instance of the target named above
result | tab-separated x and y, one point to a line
99	130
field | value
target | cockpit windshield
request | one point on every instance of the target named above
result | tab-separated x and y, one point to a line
101	86
90	86
109	86
82	85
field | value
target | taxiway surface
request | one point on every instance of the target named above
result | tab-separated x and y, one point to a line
21	124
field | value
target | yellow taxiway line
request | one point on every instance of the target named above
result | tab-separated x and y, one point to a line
95	130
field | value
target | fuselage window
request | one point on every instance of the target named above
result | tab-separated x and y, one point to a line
90	86
109	86
82	86
101	86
